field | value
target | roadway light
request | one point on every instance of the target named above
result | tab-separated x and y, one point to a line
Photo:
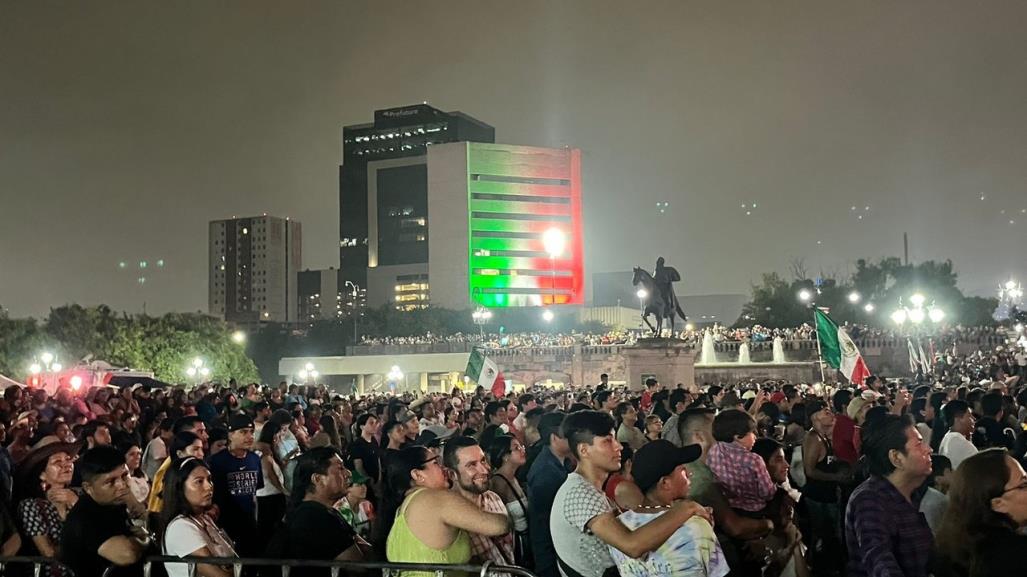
869	307
899	316
239	337
918	300
854	297
197	362
547	315
34	368
47	358
936	315
805	295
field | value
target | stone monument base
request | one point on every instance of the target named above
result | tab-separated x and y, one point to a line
733	373
670	361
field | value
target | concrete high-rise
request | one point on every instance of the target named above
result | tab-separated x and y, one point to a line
383	190
253	269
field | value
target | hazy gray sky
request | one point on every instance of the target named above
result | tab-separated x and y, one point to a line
126	126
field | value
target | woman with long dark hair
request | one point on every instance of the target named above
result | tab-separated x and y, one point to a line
187	528
506	455
987	507
271	498
431	523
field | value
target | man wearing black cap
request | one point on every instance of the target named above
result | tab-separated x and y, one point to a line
693	550
236	475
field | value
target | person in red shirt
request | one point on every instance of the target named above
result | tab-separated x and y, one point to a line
843	439
651	387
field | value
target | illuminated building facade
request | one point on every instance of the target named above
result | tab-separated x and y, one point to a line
506	203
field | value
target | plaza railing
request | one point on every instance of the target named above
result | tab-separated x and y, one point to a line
337	568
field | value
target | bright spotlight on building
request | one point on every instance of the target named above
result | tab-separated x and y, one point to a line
554	240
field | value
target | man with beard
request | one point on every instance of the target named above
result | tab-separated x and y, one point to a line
469	470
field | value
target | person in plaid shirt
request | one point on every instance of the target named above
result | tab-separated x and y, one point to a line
470	472
741	474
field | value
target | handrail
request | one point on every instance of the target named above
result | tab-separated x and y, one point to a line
37	564
387	568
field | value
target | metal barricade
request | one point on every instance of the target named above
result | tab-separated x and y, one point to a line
338	568
37	565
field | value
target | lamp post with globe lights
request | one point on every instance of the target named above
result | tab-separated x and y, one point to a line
45	367
394	376
481	316
917	312
197	371
308	372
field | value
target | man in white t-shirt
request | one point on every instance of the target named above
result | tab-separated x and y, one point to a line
583	522
693	550
956	443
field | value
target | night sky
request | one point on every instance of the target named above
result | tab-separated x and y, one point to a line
768	128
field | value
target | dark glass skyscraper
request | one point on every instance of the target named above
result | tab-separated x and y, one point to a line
401	191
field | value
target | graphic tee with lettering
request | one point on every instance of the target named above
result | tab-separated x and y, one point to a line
236	482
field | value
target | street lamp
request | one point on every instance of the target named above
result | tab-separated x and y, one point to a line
547	315
869	307
197	370
354	306
481	316
239	337
805	295
854	297
917	313
46	364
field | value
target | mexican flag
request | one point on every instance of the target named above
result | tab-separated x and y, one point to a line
485	372
838	349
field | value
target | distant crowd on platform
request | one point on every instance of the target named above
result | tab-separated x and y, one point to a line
888	478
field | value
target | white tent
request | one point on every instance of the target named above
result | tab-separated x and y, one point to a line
6	383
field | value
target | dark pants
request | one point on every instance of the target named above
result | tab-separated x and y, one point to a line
270	512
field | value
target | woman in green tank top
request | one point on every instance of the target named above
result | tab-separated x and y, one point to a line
432	523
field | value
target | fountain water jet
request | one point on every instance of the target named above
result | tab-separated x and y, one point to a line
743	354
779	351
708	355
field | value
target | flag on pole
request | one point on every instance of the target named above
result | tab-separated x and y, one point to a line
925	361
838	349
485	372
914	358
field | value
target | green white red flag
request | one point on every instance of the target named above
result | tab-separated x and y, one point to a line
485	372
838	349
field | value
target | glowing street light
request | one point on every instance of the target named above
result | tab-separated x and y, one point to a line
916	315
35	369
642	294
854	297
239	337
869	307
899	316
47	358
394	374
918	300
197	362
76	382
936	315
547	315
805	295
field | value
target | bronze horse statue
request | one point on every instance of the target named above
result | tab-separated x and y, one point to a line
660	301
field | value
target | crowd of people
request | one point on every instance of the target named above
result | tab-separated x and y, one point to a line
720	334
751	478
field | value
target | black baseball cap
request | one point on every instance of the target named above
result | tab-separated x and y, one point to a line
657	459
239	421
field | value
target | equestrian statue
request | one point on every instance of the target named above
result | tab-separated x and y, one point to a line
659	298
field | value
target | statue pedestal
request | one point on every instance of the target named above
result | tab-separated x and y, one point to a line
669	361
